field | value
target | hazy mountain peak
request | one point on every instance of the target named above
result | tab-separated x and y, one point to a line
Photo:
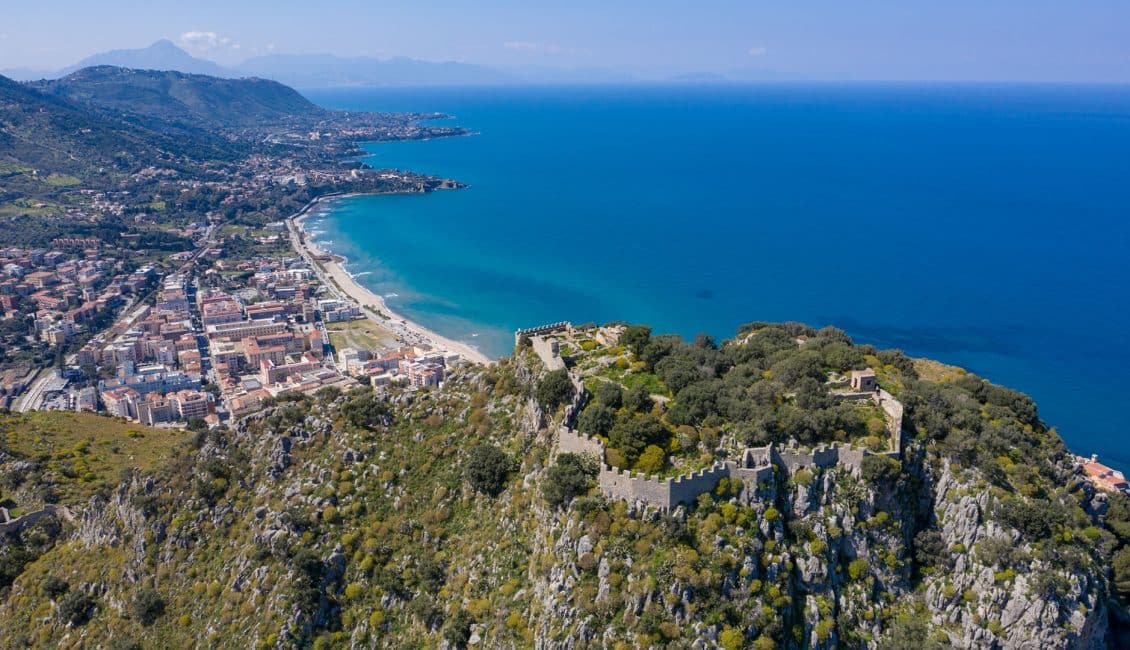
160	55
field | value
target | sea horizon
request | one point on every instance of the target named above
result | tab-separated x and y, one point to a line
862	206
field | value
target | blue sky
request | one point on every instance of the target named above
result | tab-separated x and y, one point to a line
1029	40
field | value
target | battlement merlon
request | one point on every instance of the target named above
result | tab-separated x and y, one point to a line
551	328
756	464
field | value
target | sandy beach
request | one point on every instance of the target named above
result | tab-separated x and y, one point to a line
331	272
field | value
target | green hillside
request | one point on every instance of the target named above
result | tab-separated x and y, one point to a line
198	100
448	517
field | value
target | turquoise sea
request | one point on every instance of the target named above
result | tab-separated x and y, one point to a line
986	226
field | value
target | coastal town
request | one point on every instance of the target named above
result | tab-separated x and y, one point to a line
731	326
188	299
181	289
200	337
208	341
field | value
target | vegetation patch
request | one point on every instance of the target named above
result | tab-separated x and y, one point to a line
79	454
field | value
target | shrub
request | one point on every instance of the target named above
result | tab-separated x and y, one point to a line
1004	576
487	469
75	608
880	469
376	619
635	338
651	460
858	568
996	551
554	389
147	606
596	420
638	399
731	639
367	411
570	477
124	643
457	630
610	394
803	477
55	587
615	458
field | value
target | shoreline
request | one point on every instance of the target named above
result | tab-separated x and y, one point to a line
334	275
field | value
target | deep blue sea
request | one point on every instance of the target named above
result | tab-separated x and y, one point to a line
984	226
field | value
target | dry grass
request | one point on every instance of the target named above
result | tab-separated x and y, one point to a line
359	334
930	370
84	452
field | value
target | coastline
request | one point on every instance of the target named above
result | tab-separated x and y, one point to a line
331	271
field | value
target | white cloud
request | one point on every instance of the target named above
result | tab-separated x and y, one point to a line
534	47
757	51
207	42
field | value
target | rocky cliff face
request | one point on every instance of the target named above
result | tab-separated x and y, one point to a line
348	521
1015	598
832	567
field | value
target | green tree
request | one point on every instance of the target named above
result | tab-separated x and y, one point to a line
457	629
554	389
610	394
910	631
930	549
75	608
1121	565
367	410
651	460
147	606
570	477
635	338
880	469
632	433
487	469
596	420
638	399
55	586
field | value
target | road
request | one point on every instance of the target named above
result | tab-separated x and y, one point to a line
33	397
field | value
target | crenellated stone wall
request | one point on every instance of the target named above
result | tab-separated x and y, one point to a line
686	488
574	442
664	493
562	326
754	465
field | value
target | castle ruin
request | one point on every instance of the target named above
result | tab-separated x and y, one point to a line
754	465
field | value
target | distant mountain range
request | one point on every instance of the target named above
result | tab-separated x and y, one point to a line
328	71
301	70
162	55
